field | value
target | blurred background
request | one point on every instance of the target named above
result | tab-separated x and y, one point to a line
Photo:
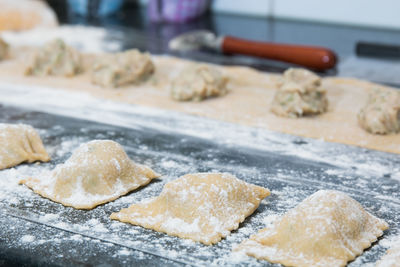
364	34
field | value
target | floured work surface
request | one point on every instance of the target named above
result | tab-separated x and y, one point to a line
247	103
39	230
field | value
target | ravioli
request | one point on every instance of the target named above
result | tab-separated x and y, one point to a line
114	70
203	207
97	172
55	58
299	94
198	82
328	228
20	143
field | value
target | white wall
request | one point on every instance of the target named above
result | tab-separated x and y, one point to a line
376	13
244	7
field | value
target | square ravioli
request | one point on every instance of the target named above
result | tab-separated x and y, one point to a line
328	228
203	207
20	143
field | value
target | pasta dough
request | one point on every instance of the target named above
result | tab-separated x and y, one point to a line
55	58
20	143
300	93
3	49
248	103
124	68
328	228
203	207
391	258
97	172
381	114
198	82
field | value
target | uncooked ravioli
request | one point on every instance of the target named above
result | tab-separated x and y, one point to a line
20	143
328	228
97	172
203	207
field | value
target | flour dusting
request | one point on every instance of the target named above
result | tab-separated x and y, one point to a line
27	238
213	203
292	168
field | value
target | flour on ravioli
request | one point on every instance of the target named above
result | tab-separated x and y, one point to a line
203	207
20	143
97	172
328	228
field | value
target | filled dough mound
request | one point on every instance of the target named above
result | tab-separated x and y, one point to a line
381	114
20	143
55	58
114	70
3	49
328	228
97	172
203	207
299	94
198	82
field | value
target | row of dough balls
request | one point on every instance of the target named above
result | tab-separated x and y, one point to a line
300	94
328	228
55	58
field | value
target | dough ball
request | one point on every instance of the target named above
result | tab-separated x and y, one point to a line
97	172
203	207
114	70
3	49
299	94
198	82
328	228
381	114
20	143
55	58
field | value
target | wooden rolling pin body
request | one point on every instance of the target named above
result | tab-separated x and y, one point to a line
313	57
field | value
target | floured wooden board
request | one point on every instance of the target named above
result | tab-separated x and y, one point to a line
247	103
36	229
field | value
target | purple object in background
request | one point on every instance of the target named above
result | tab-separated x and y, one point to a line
176	10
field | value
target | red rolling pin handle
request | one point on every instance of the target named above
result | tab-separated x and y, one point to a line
317	58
